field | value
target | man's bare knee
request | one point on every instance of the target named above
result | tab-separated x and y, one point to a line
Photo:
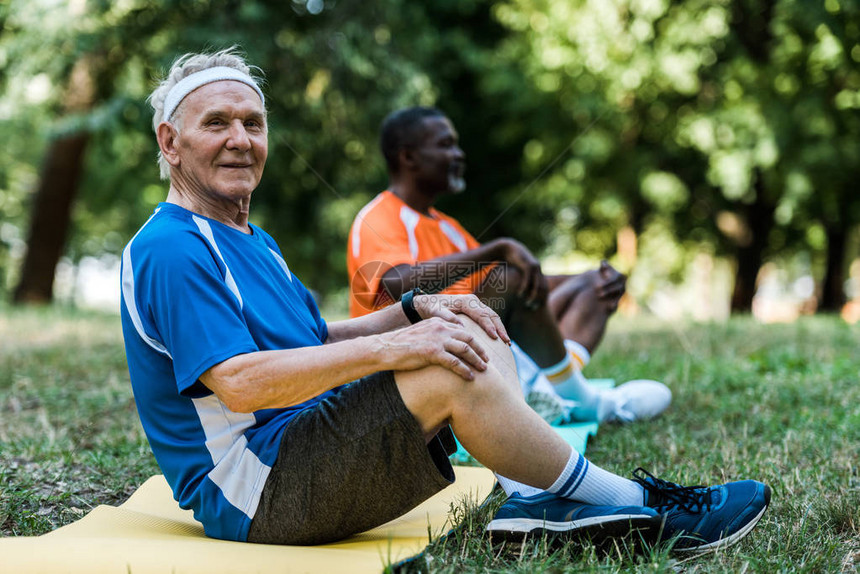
433	394
500	355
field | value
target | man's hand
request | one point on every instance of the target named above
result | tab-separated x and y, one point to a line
434	341
447	307
533	287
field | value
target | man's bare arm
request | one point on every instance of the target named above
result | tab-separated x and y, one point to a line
277	379
438	274
357	347
435	275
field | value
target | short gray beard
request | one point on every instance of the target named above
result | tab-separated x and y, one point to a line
456	183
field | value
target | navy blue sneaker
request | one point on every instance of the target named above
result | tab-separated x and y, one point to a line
546	514
705	518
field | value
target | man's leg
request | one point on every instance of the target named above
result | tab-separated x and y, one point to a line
352	462
579	312
493	422
536	332
534	329
582	305
488	415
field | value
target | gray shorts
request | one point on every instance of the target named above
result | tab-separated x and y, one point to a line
354	461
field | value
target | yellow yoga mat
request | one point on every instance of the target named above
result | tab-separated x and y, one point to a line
149	533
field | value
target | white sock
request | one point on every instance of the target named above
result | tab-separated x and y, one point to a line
512	486
586	482
580	355
571	385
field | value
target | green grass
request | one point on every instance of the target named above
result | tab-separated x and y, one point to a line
779	403
70	438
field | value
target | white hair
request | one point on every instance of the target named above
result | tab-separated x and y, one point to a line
183	67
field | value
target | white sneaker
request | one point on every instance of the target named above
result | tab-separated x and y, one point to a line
633	401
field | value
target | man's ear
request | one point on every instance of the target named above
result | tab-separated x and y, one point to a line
406	158
166	135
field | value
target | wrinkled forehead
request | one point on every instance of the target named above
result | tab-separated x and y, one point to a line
225	96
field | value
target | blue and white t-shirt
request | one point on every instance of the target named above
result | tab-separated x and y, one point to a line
196	292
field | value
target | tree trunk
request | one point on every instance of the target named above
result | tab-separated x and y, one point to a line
749	262
832	293
51	211
752	22
749	256
50	217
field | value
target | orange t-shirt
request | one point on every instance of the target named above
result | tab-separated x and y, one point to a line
387	233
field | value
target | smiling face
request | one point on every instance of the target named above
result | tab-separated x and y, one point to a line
217	157
439	161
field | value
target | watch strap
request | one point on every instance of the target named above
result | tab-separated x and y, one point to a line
408	304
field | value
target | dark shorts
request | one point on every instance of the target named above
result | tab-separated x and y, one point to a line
354	461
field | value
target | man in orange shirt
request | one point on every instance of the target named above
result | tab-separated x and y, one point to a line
400	242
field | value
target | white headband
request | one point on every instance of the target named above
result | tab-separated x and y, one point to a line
190	83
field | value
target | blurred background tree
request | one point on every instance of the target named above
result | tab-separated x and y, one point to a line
732	124
728	127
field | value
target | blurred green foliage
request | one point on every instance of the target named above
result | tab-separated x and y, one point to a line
727	123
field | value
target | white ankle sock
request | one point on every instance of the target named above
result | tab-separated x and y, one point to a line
569	383
580	355
586	482
512	486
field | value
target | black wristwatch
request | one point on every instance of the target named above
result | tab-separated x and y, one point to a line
409	305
